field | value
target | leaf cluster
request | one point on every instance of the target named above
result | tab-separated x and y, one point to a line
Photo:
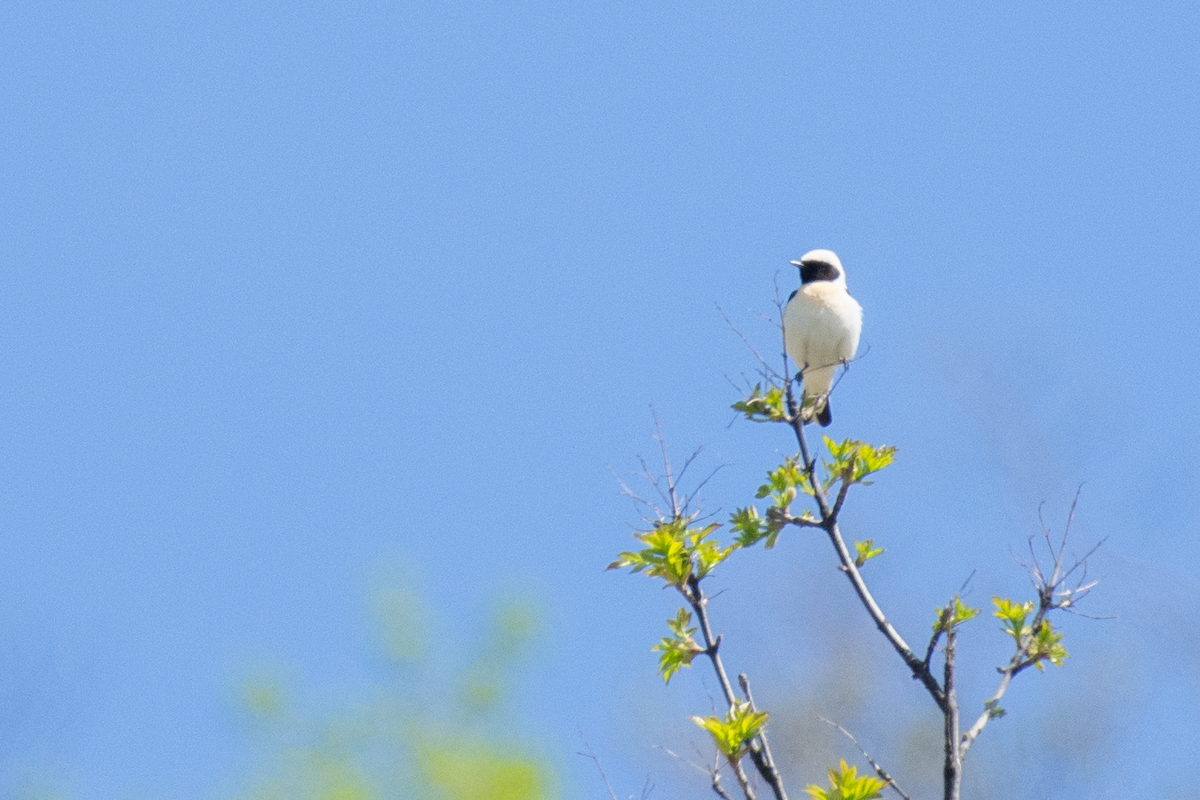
865	551
846	784
677	650
733	734
752	529
676	552
953	615
854	460
760	407
1038	639
782	487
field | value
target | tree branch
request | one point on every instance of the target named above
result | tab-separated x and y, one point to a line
763	759
759	751
880	771
952	768
596	761
1055	592
699	603
919	668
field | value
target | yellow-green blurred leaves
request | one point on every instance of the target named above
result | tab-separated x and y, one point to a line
733	734
263	696
436	731
514	624
315	774
402	618
846	784
468	769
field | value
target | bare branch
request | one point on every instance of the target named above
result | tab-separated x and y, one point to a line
714	772
592	756
1058	587
712	644
920	669
763	758
841	498
952	767
880	771
716	786
662	444
937	634
765	369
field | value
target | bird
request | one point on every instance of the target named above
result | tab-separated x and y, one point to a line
821	327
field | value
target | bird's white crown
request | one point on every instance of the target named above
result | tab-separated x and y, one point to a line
829	257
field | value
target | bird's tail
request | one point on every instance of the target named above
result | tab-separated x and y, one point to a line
825	415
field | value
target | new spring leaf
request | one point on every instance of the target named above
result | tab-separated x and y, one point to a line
678	650
734	733
675	551
854	460
759	407
865	551
953	615
846	784
1012	618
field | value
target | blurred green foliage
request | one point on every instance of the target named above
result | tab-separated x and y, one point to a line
437	729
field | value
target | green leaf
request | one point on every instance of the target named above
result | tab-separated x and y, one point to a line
846	784
678	650
675	551
760	407
852	460
734	733
1012	617
752	528
787	476
866	551
1047	646
953	615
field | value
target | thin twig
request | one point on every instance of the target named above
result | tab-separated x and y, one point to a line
766	370
1055	592
592	756
880	771
764	760
943	619
714	773
694	594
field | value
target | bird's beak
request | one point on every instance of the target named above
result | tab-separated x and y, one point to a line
796	264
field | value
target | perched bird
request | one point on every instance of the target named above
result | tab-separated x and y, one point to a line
821	325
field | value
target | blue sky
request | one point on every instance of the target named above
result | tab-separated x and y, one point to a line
294	290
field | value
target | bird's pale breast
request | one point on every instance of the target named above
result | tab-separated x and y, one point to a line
822	324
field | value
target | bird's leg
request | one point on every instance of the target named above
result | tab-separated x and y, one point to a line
805	419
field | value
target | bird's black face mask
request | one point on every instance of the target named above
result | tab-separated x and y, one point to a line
817	271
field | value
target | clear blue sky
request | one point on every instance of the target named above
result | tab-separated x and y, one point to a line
290	290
